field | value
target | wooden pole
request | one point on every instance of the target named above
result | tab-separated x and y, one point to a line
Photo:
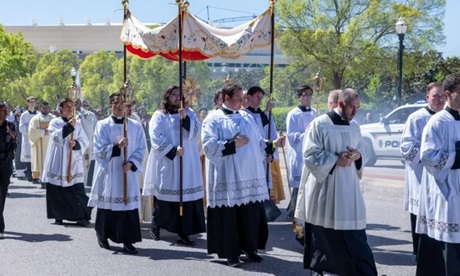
181	175
72	95
272	53
125	4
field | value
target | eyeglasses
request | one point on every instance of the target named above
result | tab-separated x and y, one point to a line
85	105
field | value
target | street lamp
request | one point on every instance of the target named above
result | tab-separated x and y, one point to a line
401	28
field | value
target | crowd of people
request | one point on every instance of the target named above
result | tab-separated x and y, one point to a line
188	172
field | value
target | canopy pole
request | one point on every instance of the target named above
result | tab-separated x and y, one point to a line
180	3
272	53
125	4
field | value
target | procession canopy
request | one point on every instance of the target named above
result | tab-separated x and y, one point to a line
200	40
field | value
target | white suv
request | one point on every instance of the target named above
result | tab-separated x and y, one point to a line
384	139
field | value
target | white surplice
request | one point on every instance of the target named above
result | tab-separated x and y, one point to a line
439	208
332	200
108	180
55	171
237	178
38	141
297	122
24	129
162	176
264	132
88	122
410	150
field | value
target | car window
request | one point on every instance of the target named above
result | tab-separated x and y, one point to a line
400	116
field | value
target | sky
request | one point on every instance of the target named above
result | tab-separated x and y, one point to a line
50	12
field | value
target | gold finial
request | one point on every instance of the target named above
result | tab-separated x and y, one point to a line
127	92
125	3
185	5
179	2
318	81
228	80
191	91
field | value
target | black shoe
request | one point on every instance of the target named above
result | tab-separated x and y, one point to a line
82	222
21	178
252	256
300	240
129	248
103	243
36	181
155	233
233	262
58	221
2	236
185	241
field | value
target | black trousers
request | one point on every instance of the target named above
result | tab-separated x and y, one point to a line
6	169
430	260
342	252
89	180
415	236
28	171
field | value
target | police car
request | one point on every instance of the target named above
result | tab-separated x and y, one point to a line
384	139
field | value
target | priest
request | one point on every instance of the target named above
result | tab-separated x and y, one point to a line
117	216
330	198
39	137
410	150
438	217
236	183
65	193
162	177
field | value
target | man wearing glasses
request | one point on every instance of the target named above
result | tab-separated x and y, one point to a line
297	122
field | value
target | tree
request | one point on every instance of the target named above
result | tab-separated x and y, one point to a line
97	76
340	35
52	75
17	61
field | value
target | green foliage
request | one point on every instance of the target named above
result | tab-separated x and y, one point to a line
279	115
341	36
97	77
52	76
17	61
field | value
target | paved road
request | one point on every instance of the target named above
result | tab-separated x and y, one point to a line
35	246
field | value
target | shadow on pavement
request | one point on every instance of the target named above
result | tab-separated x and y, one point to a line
394	258
36	237
381	227
24	195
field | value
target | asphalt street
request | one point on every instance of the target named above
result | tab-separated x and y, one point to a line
33	245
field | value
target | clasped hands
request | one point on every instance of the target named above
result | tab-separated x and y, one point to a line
346	158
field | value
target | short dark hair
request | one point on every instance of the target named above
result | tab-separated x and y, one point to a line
255	89
451	82
202	109
43	103
113	95
431	85
302	88
216	96
64	101
229	89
